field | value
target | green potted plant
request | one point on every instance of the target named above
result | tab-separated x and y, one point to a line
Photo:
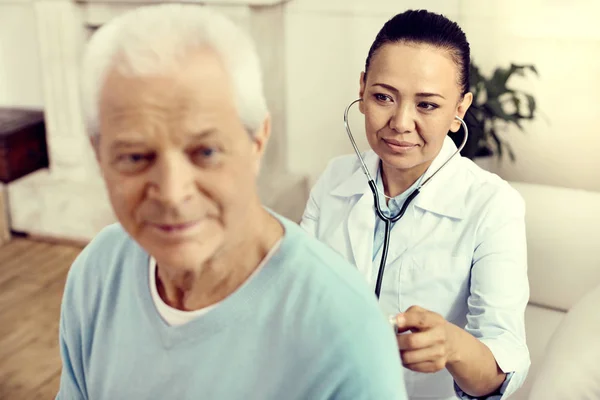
495	105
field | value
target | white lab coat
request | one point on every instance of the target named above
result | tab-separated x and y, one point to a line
459	250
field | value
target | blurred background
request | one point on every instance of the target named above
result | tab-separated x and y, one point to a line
313	52
536	65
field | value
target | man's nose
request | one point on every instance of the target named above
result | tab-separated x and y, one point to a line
172	181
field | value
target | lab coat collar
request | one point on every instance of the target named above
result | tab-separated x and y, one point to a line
442	195
357	182
445	194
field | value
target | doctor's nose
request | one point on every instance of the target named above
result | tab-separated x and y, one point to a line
402	120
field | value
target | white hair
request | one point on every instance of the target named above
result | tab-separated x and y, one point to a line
153	40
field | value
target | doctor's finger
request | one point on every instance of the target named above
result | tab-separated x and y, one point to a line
417	318
426	366
433	354
420	340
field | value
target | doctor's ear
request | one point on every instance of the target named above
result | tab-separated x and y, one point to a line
461	110
361	92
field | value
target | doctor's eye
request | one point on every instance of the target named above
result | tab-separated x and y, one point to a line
428	106
384	98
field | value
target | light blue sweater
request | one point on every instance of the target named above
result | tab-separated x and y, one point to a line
304	327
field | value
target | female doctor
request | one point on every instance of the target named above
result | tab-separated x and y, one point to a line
456	274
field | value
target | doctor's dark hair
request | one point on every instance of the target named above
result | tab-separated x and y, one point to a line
421	26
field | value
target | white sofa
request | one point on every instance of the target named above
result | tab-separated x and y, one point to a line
570	368
563	233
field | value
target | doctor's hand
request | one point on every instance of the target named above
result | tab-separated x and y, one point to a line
425	339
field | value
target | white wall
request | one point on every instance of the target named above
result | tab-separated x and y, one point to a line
562	39
328	42
20	76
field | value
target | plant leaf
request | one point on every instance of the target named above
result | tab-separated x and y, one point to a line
496	111
518	124
496	86
525	67
510	151
531	104
497	141
494	101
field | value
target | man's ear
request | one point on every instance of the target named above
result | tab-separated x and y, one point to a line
361	92
95	142
461	110
260	139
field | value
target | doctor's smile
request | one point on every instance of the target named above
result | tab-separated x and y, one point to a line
401	147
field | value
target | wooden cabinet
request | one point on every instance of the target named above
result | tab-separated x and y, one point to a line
22	143
22	150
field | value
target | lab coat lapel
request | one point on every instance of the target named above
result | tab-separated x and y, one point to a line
361	218
445	194
361	225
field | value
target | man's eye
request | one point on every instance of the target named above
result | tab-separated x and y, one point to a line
133	162
134	158
205	154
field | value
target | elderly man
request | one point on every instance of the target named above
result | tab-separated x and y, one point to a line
200	292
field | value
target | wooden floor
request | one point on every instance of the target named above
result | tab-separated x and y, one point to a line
32	277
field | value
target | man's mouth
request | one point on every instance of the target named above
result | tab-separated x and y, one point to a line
176	227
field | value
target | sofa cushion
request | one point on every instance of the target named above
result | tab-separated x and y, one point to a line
570	368
540	324
563	234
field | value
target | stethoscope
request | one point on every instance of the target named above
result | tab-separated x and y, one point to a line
389	220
